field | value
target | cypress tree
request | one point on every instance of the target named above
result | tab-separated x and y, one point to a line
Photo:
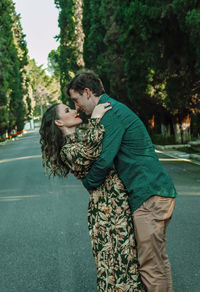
11	64
71	41
160	65
22	52
146	52
6	40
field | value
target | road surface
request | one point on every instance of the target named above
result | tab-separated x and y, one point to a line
44	241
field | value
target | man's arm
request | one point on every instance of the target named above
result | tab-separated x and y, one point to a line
114	131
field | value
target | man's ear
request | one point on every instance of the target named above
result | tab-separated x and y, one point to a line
58	123
88	92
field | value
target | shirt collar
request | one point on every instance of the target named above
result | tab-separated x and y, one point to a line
103	98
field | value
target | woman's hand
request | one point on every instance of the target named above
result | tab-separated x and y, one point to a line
100	110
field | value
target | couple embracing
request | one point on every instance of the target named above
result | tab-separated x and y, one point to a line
132	198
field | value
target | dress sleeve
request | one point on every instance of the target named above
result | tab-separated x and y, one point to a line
110	148
79	155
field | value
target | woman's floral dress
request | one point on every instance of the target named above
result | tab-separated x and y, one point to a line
109	217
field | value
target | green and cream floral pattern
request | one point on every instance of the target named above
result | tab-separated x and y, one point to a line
109	217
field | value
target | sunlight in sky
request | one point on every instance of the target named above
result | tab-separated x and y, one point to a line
39	20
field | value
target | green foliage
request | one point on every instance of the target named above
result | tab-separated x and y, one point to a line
159	64
5	64
94	33
146	52
43	89
25	88
71	41
102	50
11	93
53	62
159	139
22	53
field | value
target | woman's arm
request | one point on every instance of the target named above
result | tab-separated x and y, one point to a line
79	156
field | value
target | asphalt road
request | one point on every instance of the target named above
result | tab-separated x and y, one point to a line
44	241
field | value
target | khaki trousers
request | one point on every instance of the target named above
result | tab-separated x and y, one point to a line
150	224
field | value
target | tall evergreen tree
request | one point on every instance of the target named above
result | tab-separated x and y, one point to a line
146	52
22	51
102	50
112	62
71	40
53	62
94	33
159	63
6	45
12	64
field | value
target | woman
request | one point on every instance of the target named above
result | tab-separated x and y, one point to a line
109	218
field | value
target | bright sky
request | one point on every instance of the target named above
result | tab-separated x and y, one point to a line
39	20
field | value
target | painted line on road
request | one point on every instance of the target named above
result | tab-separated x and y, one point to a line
17	198
175	158
20	158
188	194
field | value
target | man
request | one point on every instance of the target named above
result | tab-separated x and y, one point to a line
128	146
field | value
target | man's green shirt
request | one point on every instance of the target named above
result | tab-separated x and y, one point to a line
128	147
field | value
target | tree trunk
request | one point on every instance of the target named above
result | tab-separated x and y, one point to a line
182	130
186	131
165	130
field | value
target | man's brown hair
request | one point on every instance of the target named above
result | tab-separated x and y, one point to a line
86	80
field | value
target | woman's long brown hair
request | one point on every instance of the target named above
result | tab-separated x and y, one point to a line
52	140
